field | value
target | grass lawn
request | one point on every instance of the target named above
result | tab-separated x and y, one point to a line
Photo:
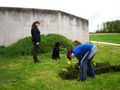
20	73
111	38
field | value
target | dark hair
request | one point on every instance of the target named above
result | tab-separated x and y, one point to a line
34	23
69	54
76	43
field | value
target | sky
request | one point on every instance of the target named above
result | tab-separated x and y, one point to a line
96	11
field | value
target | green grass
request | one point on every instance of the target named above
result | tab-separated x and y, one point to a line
20	73
111	38
108	53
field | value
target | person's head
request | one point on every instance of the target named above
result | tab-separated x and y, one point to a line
57	44
70	54
76	43
36	24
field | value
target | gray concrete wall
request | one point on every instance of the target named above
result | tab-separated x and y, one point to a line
15	23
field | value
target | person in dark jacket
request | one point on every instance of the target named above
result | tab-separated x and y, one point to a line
84	54
35	39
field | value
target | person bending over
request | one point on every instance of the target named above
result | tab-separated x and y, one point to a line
84	54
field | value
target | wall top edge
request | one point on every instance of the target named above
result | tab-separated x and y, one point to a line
42	10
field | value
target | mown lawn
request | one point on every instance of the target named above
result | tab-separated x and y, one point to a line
20	73
106	37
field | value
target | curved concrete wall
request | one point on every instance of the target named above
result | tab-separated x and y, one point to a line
15	23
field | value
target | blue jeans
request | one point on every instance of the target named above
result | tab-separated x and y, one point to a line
86	62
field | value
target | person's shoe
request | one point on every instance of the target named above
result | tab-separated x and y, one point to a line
38	61
35	62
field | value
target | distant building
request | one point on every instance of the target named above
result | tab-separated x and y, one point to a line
15	23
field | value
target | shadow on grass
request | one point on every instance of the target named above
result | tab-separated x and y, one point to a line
70	72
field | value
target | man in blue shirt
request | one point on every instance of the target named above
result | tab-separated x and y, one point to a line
84	54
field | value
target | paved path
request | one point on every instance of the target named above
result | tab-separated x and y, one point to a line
105	43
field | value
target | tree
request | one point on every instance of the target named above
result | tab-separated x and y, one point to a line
110	27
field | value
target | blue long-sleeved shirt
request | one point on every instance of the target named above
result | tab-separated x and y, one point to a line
81	50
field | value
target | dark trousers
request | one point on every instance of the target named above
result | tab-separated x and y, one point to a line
35	52
84	63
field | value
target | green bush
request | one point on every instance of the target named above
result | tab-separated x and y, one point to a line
24	46
100	68
48	42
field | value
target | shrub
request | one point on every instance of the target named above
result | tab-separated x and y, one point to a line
100	68
48	42
24	46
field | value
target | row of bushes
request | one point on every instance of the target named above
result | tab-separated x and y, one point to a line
73	72
24	46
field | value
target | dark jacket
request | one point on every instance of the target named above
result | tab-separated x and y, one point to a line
35	34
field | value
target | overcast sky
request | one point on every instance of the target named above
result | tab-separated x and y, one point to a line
96	11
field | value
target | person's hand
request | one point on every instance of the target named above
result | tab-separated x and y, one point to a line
37	43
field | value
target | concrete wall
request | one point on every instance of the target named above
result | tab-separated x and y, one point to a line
15	23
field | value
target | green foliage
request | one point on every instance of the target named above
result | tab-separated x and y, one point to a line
100	68
24	46
48	42
110	27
